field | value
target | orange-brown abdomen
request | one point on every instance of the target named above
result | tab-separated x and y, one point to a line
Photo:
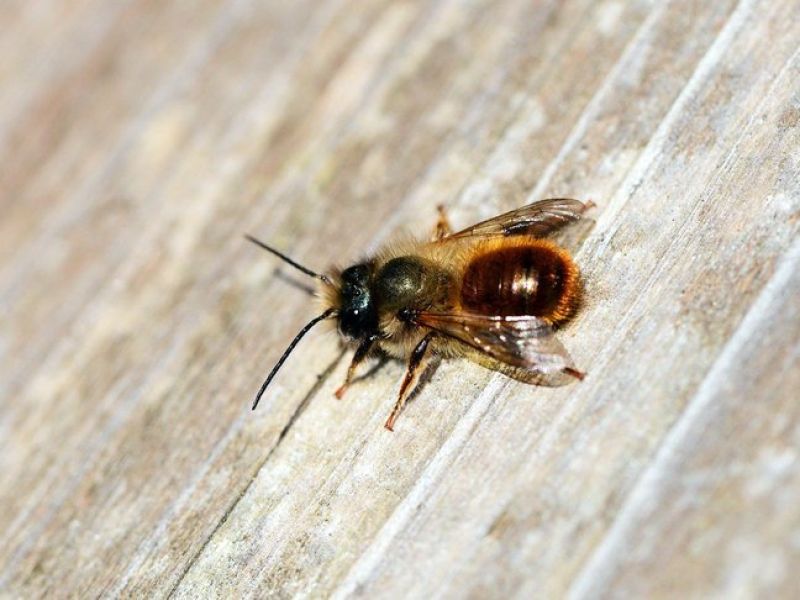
523	277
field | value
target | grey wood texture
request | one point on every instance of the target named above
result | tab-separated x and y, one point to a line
140	140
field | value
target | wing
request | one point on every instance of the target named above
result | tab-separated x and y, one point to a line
538	220
524	342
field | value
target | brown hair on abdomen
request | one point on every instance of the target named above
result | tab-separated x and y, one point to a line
535	277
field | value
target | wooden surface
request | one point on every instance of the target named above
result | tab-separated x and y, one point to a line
140	140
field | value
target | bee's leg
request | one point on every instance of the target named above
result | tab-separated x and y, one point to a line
443	228
362	352
416	365
579	375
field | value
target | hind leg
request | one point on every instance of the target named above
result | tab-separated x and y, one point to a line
443	228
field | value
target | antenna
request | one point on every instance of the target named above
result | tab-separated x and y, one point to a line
285	258
328	313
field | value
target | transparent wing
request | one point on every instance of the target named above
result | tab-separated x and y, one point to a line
520	341
538	220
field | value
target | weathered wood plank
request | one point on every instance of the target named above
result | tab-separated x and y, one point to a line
730	460
146	137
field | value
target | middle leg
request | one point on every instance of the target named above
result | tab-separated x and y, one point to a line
416	365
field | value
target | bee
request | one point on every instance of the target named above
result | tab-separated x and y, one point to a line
494	293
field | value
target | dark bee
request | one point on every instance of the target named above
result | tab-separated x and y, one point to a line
493	293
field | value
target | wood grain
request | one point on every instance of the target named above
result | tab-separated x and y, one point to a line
140	140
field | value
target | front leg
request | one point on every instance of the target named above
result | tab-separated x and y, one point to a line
362	352
415	367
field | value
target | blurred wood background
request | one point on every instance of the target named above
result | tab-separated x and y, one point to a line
139	140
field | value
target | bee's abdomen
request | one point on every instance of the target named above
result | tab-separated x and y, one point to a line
536	278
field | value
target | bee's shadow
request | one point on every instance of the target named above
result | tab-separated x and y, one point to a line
383	359
295	283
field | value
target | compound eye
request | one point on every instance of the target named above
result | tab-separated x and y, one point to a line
354	322
352	314
355	276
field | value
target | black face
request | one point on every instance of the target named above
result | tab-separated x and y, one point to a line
357	317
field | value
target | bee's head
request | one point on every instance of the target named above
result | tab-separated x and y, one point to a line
357	315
